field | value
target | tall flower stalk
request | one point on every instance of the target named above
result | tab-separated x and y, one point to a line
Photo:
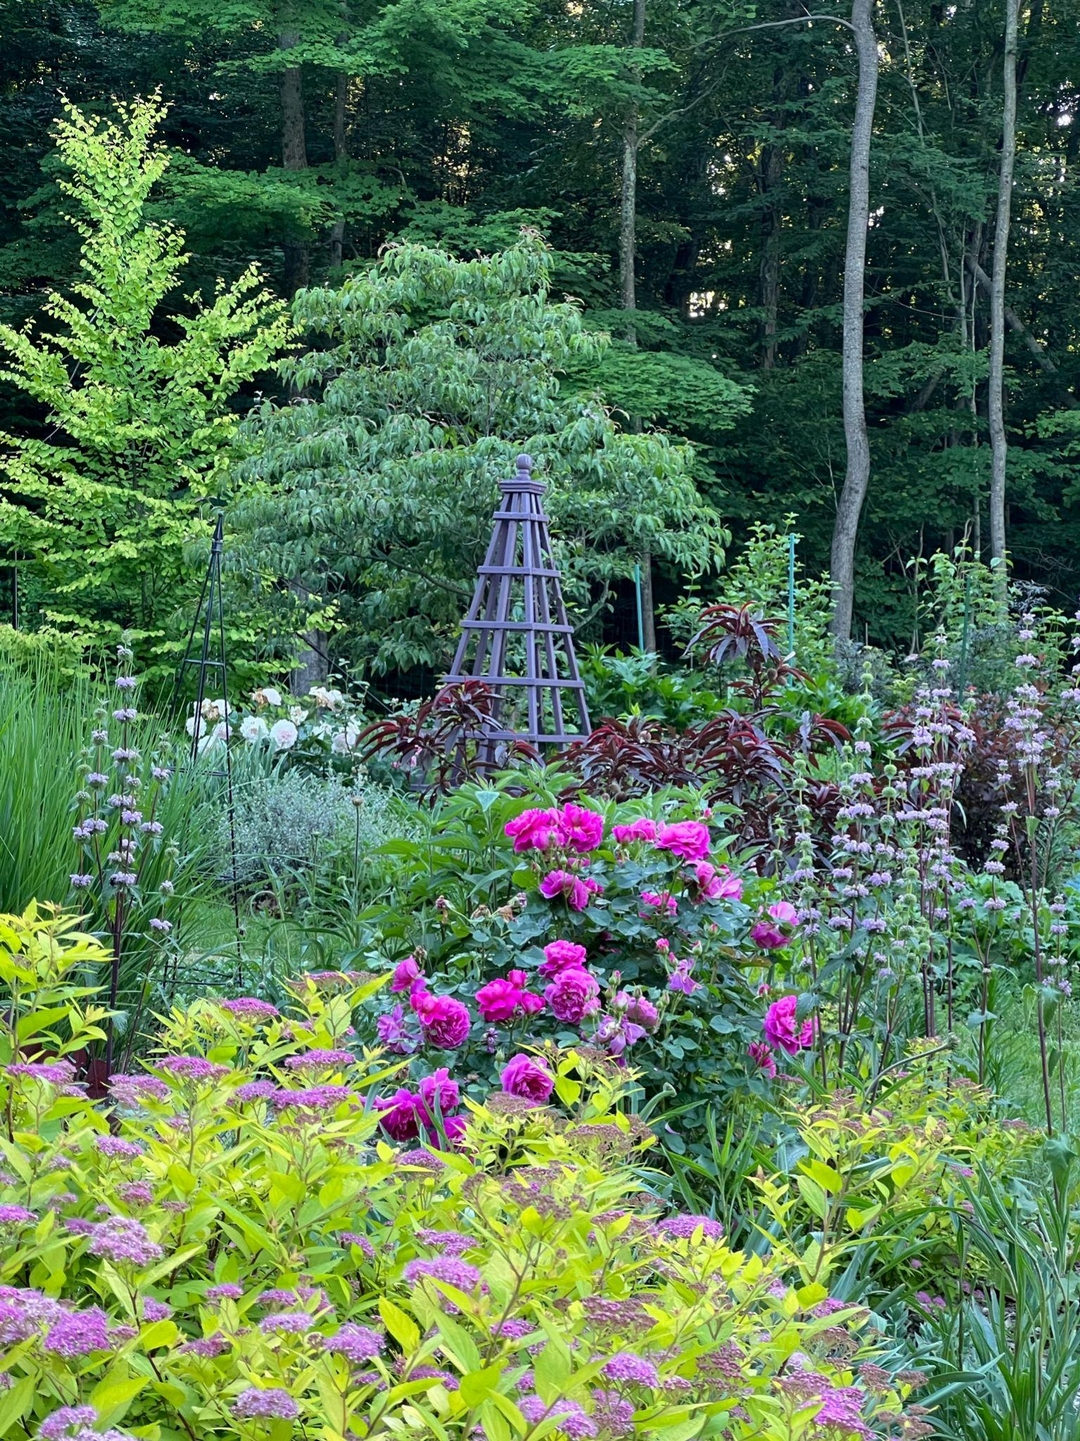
125	871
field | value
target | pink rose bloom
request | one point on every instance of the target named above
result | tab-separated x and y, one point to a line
405	973
582	829
560	954
767	934
681	979
565	883
528	1003
437	1093
639	1010
779	1026
715	883
535	830
394	1034
761	1055
454	1126
665	902
573	995
616	1033
527	1077
400	1118
642	829
498	1000
445	1021
687	839
417	992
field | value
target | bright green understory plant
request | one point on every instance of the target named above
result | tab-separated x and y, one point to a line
228	1248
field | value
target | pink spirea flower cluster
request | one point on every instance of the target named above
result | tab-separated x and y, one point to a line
319	1060
250	1008
356	1343
122	1238
450	1269
312	1101
56	1073
191	1068
269	1403
686	1225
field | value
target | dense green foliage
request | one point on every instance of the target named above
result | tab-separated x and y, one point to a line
454	126
375	490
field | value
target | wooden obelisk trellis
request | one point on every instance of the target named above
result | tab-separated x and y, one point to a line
516	637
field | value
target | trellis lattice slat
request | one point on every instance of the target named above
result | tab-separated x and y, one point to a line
515	637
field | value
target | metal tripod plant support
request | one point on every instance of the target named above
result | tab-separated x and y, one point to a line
515	637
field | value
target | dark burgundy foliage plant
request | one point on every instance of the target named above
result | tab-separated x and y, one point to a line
442	743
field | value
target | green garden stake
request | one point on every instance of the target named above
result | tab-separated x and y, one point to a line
640	613
961	680
791	595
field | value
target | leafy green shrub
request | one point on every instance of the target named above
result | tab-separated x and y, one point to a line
1007	1350
658	941
231	1248
868	1187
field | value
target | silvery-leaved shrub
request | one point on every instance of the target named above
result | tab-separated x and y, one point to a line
289	822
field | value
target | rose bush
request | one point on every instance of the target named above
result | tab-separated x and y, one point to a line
635	934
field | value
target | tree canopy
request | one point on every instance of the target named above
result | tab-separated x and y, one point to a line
304	138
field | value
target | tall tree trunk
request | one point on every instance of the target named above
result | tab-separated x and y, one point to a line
857	476
341	155
771	170
628	205
293	154
628	280
995	398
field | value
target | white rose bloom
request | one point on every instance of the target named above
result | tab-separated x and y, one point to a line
297	714
283	733
223	708
339	745
352	733
189	725
271	695
253	728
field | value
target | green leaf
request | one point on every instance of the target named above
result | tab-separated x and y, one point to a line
402	1327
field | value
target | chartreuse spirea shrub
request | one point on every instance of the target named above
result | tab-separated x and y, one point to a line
877	1182
228	1247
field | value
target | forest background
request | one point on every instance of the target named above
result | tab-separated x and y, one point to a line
689	166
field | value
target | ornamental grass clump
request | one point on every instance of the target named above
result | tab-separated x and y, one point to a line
230	1246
